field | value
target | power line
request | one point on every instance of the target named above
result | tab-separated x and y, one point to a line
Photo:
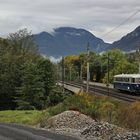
123	22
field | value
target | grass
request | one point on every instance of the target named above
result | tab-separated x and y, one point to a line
22	117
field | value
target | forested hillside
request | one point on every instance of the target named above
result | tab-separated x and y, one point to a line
68	41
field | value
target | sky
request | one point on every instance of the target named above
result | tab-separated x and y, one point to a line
96	16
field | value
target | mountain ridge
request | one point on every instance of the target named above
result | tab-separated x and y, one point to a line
129	42
67	41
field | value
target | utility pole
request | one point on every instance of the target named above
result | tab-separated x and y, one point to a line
139	58
108	73
70	73
81	72
101	69
63	74
57	76
88	74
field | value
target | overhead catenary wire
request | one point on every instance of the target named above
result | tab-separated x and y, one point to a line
123	22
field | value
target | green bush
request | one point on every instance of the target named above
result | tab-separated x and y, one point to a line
85	103
57	109
57	96
25	106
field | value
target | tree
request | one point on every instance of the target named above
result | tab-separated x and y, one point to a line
72	67
118	64
9	76
25	76
32	87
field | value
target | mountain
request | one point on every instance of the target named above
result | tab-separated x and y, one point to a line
68	41
128	43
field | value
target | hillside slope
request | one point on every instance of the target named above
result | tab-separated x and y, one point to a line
68	41
129	42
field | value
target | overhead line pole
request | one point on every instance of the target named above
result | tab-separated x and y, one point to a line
88	74
70	72
139	58
81	72
108	74
63	73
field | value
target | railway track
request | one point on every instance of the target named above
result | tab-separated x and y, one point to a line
99	90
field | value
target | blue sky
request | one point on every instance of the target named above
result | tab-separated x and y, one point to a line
97	16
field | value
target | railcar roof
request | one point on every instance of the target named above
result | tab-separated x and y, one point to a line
128	75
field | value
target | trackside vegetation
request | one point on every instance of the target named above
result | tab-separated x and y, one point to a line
99	108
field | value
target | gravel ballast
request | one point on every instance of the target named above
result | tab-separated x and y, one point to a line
77	124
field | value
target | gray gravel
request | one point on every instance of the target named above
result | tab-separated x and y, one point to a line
127	136
76	124
70	119
99	131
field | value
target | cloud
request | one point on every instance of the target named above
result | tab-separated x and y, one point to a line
98	17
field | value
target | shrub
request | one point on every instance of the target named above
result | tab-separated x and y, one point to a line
57	96
107	110
129	116
84	103
25	106
57	109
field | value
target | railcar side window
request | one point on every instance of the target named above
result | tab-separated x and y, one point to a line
118	79
121	79
126	79
133	80
137	80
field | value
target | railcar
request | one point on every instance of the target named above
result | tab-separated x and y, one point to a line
127	82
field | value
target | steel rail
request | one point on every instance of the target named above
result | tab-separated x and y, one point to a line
99	90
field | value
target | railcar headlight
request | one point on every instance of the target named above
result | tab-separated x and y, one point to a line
137	85
128	87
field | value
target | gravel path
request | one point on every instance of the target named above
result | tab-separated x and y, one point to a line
19	132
